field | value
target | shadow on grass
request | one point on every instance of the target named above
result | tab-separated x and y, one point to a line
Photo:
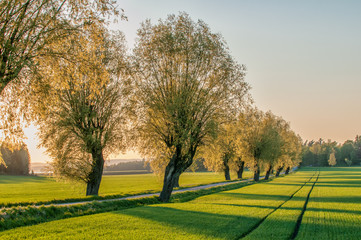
253	196
292	208
207	224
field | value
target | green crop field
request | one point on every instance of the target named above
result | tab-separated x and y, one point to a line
17	189
310	204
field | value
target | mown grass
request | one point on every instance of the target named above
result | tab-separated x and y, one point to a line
33	189
334	208
223	215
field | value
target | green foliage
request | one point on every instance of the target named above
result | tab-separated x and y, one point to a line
318	153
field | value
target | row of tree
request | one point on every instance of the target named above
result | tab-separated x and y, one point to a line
178	96
256	140
331	153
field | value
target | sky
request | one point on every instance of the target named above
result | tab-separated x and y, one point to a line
303	58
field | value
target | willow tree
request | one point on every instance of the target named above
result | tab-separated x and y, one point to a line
30	31
222	151
82	108
28	27
273	141
187	82
291	150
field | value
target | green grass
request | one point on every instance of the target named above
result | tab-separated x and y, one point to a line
334	208
267	210
18	189
223	215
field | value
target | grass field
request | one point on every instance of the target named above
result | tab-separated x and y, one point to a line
268	210
17	189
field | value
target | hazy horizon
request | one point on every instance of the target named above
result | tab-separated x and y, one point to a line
303	58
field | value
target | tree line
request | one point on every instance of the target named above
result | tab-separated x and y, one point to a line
178	96
331	153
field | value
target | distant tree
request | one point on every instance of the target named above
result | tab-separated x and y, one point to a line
83	108
357	151
123	166
347	151
17	160
187	82
332	159
348	162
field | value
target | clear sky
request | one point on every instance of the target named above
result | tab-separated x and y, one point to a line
303	57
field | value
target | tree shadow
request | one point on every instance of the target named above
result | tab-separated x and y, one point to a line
357	212
195	222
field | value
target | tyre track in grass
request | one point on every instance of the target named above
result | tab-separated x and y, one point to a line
290	197
299	220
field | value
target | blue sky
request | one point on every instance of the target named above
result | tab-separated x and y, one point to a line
303	57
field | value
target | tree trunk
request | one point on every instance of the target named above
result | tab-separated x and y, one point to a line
279	169
170	177
226	168
256	172
240	169
176	166
227	176
268	172
176	182
287	170
95	176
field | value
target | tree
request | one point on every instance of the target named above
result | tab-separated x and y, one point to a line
221	151
252	122
31	32
332	159
17	160
273	141
187	82
83	109
29	27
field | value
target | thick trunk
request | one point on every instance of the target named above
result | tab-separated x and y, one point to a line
227	176
287	170
176	182
240	169
256	173
279	169
95	176
176	166
268	172
226	168
170	177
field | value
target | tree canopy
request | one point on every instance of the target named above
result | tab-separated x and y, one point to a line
82	109
187	82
